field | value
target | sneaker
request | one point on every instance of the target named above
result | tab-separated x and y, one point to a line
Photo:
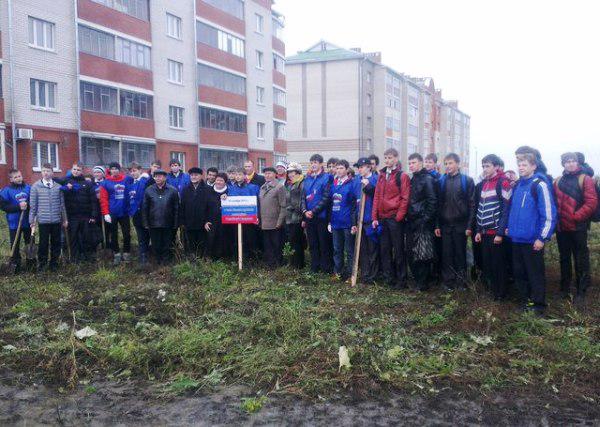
117	259
126	256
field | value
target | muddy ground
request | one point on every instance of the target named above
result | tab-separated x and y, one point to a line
23	402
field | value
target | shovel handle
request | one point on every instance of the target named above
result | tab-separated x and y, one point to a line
18	235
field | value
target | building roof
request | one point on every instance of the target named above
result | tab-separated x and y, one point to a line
324	51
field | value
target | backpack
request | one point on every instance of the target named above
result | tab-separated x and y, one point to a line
399	180
596	215
463	184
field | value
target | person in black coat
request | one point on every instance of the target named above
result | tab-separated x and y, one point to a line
421	216
160	211
220	238
193	213
82	210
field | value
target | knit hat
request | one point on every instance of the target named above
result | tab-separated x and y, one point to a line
99	169
567	157
295	167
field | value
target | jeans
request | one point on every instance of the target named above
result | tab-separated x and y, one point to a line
343	242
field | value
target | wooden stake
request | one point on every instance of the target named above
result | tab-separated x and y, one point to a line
361	216
240	247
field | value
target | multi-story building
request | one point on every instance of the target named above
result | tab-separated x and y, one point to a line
346	103
202	81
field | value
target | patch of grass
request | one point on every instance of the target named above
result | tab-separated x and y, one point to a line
199	325
252	405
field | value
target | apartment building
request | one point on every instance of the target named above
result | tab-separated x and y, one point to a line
346	103
202	81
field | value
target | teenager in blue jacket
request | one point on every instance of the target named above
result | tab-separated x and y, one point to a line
343	220
135	192
531	222
317	196
177	178
14	199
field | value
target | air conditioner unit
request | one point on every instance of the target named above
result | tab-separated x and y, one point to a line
24	133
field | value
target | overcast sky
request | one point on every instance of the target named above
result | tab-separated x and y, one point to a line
525	71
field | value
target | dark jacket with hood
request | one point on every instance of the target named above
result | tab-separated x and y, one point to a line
423	201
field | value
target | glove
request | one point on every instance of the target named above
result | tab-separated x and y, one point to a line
107	219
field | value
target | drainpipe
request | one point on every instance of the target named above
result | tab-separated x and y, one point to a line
78	89
360	107
196	114
12	83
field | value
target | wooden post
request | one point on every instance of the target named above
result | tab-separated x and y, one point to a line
361	216
240	247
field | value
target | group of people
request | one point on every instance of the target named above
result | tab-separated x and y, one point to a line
418	221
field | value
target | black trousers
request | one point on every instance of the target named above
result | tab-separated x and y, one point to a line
123	222
250	241
295	235
49	239
162	244
79	235
436	267
320	245
25	234
195	242
494	265
573	245
454	256
477	258
273	247
530	274
392	250
369	257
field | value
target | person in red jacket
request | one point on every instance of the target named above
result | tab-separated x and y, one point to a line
390	205
576	201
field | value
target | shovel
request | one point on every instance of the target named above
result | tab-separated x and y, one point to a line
9	265
105	253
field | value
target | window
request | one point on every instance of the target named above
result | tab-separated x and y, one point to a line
139	152
278	63
260	23
219	39
219	79
175	71
279	97
260	63
45	152
174	26
41	33
176	117
104	45
369	100
369	76
96	151
132	53
279	129
96	43
260	130
260	95
102	99
413	130
136	105
277	29
179	156
136	8
262	163
42	94
212	118
233	7
220	159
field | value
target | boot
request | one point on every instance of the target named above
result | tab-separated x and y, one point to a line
117	259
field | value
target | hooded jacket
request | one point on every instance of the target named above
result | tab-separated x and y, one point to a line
10	197
317	193
532	212
455	203
114	200
575	205
343	203
391	201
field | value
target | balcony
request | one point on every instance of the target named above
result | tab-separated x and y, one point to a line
111	18
116	125
219	57
214	96
213	14
219	138
278	78
105	69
